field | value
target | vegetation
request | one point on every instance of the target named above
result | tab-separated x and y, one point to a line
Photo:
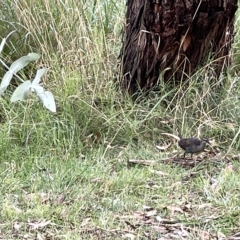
70	174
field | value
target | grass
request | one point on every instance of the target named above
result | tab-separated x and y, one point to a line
68	176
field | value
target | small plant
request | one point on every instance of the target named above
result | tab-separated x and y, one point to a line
22	91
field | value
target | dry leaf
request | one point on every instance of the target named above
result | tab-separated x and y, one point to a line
85	222
40	224
151	213
143	162
236	236
174	209
235	156
160	173
16	226
171	135
205	205
162	148
98	179
129	235
205	236
35	196
147	208
138	214
165	221
161	229
174	185
228	168
18	210
60	199
131	225
152	186
44	198
221	236
30	196
126	217
214	183
39	236
149	221
186	40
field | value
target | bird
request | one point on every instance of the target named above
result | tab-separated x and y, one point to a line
192	145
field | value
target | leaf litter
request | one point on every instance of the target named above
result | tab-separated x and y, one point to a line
167	228
175	227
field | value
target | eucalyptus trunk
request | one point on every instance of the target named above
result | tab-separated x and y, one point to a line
172	38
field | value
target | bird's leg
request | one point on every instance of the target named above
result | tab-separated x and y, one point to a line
184	155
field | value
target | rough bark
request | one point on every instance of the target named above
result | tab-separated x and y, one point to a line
173	37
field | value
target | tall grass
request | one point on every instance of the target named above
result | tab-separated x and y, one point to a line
80	43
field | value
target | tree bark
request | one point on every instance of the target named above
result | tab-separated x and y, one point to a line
172	38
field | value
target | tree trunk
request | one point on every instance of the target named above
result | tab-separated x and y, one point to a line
173	37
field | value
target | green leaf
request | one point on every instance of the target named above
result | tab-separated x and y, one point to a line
45	97
39	74
2	44
23	62
5	81
21	92
15	67
4	41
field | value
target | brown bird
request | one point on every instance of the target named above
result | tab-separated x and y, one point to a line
192	145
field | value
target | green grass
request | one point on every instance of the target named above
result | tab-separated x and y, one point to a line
68	176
